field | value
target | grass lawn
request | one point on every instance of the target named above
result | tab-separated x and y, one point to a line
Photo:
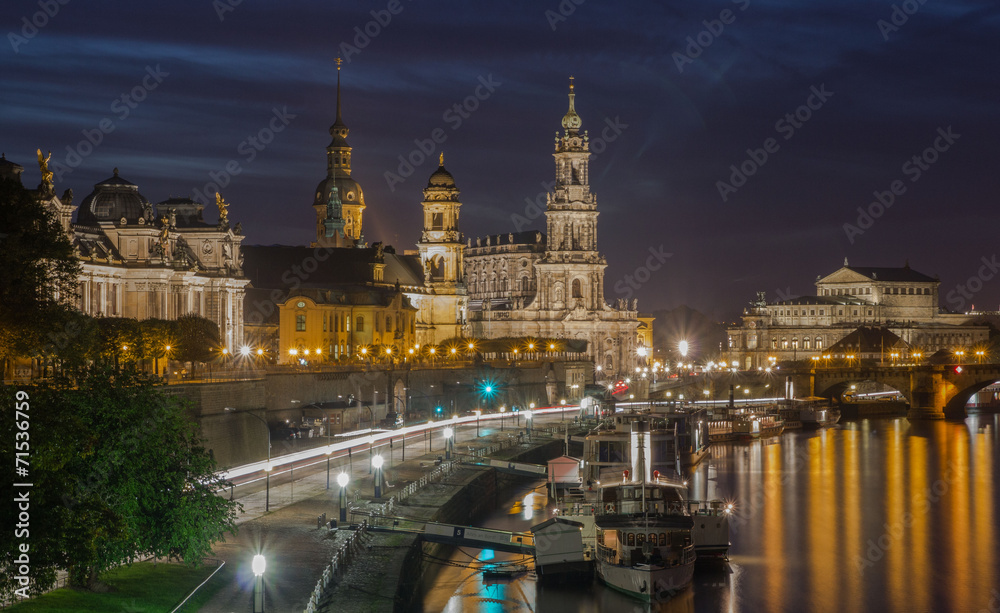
139	588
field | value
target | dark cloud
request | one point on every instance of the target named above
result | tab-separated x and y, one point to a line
655	181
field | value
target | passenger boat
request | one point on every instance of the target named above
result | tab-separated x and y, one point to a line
755	425
644	544
816	412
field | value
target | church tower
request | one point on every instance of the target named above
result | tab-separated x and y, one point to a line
441	247
571	275
339	200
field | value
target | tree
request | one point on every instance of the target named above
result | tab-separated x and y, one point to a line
38	271
119	473
197	339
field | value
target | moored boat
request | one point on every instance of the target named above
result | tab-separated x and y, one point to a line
644	543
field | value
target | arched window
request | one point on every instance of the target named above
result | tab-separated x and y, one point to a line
359	324
577	289
819	342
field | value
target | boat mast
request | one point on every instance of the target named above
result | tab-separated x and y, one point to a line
642	471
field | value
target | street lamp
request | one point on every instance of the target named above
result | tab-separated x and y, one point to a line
258	566
479	412
377	463
448	441
502	409
329	450
342	480
527	423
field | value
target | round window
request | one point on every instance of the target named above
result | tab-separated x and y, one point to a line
301	305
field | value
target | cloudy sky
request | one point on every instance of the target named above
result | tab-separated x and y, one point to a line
839	97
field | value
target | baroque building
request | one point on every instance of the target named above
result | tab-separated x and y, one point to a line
143	261
551	285
901	303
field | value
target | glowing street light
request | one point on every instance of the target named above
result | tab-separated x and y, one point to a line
258	565
377	464
448	441
342	480
682	348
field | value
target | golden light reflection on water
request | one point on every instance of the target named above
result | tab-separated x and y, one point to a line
850	494
881	546
984	546
822	529
956	496
918	542
774	528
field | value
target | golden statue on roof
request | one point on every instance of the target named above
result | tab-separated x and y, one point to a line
223	208
43	165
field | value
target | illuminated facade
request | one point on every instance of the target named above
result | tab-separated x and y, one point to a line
142	262
552	285
899	300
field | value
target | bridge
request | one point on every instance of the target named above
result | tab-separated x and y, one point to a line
467	536
933	391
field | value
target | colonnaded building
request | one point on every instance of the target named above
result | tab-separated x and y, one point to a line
346	294
866	312
142	261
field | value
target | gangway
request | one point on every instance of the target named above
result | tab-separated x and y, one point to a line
514	468
467	536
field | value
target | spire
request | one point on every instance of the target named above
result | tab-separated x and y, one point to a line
339	119
339	129
571	122
441	160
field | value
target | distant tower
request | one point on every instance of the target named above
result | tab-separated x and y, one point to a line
441	249
339	200
571	275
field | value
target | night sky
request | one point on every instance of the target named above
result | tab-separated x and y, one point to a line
882	80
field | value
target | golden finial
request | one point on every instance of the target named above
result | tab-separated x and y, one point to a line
570	82
441	159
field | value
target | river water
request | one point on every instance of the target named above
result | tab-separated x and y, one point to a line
877	515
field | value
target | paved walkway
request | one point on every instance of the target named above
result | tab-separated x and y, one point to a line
295	549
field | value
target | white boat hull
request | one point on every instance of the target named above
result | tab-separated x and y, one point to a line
646	582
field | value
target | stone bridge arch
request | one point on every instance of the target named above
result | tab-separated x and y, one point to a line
836	391
954	408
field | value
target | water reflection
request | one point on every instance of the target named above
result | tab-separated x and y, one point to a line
873	515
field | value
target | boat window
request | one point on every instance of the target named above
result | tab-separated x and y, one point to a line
656	493
640	539
628	493
631	540
663	539
652	538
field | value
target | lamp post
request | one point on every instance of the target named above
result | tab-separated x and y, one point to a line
342	480
258	565
329	450
448	441
377	463
478	413
502	409
267	468
527	423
